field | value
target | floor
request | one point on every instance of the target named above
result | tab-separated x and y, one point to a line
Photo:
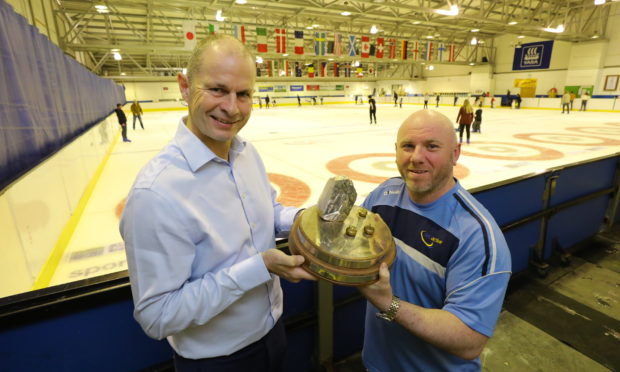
567	321
303	146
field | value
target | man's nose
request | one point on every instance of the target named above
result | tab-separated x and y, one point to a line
230	103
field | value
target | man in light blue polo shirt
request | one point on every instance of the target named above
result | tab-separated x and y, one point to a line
200	225
438	304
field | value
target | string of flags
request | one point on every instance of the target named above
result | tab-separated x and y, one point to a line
336	44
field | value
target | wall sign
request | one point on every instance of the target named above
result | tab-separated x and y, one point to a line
533	56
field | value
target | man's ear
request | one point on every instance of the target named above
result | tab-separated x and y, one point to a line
183	86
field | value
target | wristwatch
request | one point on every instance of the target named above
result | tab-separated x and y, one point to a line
390	313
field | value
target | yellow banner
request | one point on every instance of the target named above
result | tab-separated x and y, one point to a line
525	83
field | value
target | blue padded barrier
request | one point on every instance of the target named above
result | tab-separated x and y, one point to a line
349	328
511	202
47	99
584	179
575	224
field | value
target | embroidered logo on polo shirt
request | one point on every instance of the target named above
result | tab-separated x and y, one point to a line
391	192
429	240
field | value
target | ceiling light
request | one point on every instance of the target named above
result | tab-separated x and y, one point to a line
330	59
309	28
472	64
345	13
512	23
454	10
316	26
218	16
557	30
429	37
431	67
373	29
520	37
117	56
285	55
102	8
595	36
416	22
599	2
123	74
184	71
241	1
259	59
475	29
474	41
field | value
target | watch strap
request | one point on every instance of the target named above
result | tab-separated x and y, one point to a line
390	313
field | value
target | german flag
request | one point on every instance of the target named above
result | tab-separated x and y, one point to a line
403	49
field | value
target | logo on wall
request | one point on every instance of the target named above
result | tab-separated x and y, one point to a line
533	56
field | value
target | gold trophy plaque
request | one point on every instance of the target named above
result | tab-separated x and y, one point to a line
341	242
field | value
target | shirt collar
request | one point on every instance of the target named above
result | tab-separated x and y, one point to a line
196	153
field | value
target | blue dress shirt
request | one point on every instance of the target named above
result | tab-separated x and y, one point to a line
194	226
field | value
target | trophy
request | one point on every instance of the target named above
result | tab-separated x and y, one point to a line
341	242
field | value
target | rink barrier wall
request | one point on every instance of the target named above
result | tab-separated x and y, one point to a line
47	98
88	325
541	103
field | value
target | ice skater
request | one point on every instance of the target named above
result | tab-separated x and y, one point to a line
477	121
122	121
373	109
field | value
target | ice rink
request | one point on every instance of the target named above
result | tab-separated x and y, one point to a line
303	146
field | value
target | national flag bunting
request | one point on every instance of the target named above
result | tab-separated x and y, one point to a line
189	34
239	33
359	71
311	71
416	50
336	71
441	48
338	45
365	46
380	47
451	53
261	39
392	53
352	52
299	42
280	40
213	29
429	51
323	68
319	43
403	49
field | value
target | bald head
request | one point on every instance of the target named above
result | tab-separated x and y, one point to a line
430	119
213	47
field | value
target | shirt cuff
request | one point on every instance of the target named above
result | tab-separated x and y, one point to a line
251	273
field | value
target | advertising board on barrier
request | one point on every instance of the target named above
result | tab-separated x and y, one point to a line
297	88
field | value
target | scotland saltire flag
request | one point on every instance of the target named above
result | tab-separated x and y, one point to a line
351	45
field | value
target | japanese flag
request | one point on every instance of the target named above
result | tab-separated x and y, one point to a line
189	34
